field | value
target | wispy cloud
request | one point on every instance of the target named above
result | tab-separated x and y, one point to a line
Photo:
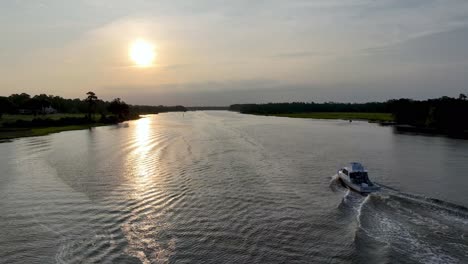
300	54
68	46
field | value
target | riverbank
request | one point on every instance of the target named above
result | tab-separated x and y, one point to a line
7	134
407	129
371	117
384	119
6	118
30	126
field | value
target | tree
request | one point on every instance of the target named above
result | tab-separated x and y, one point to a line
462	97
19	100
5	106
119	108
34	105
91	101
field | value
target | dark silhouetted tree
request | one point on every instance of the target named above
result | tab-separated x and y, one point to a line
34	105
19	100
5	106
91	100
119	108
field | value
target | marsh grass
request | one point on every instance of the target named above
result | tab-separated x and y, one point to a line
7	133
13	118
372	117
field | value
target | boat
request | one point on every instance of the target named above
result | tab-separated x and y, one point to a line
355	177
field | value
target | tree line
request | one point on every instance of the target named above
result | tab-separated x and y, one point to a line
302	107
94	110
443	114
90	105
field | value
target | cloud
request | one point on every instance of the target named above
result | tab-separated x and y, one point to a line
209	46
301	54
446	47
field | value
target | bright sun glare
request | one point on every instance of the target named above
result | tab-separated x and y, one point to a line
142	53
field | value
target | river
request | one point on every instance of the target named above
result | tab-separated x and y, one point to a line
222	187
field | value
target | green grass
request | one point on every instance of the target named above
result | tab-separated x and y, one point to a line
11	133
373	117
50	130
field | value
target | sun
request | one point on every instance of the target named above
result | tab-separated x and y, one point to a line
142	53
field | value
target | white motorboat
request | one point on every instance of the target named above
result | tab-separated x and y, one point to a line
355	177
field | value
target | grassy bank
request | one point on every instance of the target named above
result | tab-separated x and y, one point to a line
13	118
11	133
372	117
8	133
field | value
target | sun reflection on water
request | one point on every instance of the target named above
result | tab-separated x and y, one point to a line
142	160
142	133
145	171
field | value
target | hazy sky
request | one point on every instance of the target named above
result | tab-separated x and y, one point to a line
222	52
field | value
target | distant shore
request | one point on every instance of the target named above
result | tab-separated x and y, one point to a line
371	117
383	119
23	115
439	116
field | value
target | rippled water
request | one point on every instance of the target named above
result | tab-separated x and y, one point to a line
221	187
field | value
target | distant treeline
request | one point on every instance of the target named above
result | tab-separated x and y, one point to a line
300	107
149	109
94	110
204	108
39	104
443	114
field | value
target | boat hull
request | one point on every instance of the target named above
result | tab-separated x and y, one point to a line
357	188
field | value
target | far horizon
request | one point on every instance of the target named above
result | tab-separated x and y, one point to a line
210	53
150	103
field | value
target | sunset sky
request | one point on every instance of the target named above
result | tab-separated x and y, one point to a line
223	52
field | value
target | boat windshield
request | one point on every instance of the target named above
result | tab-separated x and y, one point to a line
359	177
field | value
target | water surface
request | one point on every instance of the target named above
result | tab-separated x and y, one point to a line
221	187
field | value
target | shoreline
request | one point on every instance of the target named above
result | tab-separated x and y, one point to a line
361	116
8	134
382	119
407	129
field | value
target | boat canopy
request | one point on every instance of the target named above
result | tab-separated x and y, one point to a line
355	167
356	175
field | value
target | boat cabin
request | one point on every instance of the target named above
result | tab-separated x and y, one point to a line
356	173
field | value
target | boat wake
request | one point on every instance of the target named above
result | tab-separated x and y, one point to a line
336	185
395	225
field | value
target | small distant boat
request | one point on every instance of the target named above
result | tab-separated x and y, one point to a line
355	177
